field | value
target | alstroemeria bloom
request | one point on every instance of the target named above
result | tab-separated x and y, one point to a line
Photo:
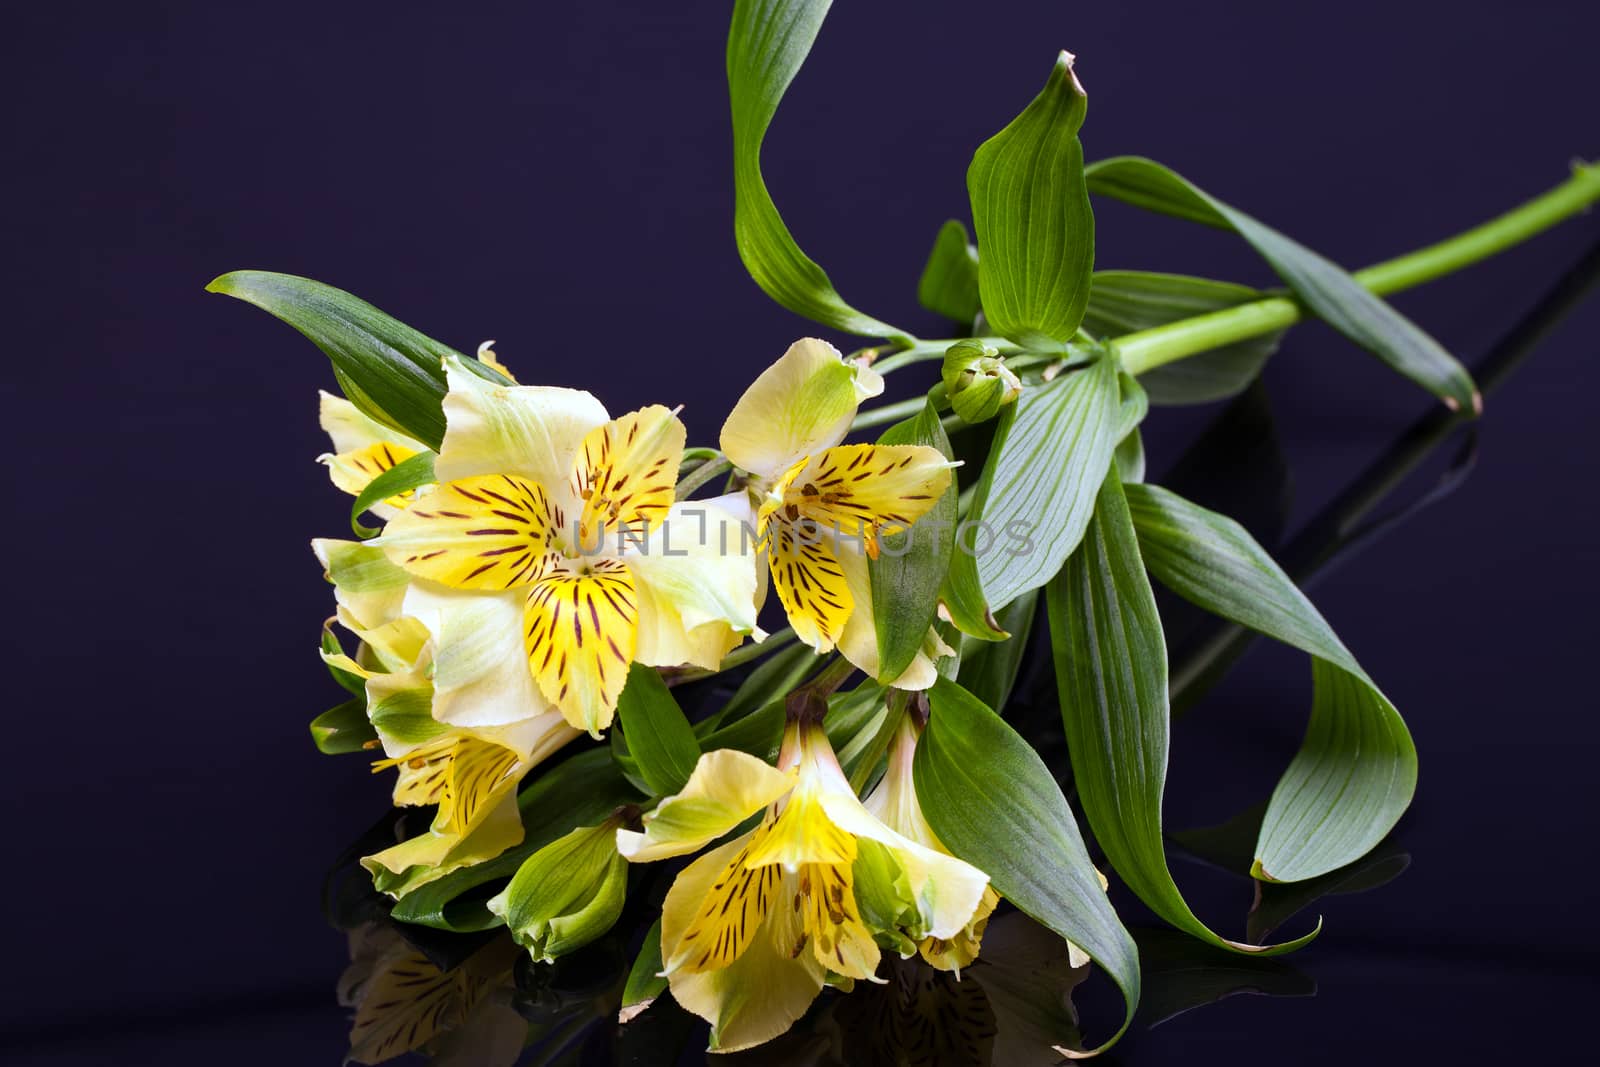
820	507
751	930
461	726
565	518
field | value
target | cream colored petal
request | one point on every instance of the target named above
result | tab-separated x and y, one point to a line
760	994
349	430
726	787
430	856
532	431
365	583
859	641
696	579
480	671
801	404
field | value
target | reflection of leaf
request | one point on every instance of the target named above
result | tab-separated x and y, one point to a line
1029	979
1275	903
1182	974
1230	846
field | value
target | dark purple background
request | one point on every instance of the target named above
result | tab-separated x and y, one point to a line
557	178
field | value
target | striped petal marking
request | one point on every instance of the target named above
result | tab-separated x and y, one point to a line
353	471
488	532
580	629
464	775
626	474
868	491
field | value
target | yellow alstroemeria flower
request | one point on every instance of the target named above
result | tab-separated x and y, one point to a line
751	930
821	507
459	721
363	448
566	518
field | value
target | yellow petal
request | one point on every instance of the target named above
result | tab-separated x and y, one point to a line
802	833
431	855
491	531
626	476
801	404
354	471
811	584
955	953
731	914
579	631
726	788
760	994
867	491
834	932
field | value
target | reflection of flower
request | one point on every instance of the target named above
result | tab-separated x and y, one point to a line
821	507
405	1003
751	930
549	507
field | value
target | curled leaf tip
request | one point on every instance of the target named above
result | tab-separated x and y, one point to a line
1068	62
1477	403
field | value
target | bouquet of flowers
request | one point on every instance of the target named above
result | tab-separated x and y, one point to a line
547	580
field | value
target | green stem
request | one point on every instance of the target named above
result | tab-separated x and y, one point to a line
926	350
1148	349
702	474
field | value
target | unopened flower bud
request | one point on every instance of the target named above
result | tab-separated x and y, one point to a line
977	381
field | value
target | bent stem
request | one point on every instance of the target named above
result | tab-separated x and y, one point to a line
1160	345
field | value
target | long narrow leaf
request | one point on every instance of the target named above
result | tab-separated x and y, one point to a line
767	43
390	371
1325	287
1356	771
1111	669
993	802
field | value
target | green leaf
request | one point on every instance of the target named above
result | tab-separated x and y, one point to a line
1030	208
387	369
1325	287
1127	301
949	283
408	474
579	791
645	982
343	729
911	566
1356	771
659	736
767	43
776	676
992	802
1051	450
1111	670
989	669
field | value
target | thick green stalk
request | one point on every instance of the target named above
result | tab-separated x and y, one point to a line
1148	349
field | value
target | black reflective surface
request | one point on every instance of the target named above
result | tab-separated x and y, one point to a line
558	180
